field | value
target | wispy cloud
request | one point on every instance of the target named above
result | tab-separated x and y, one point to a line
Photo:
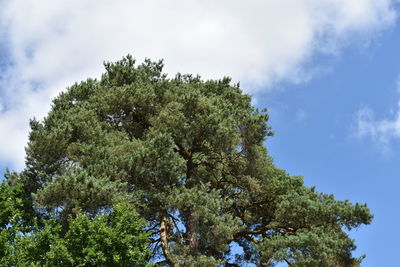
51	44
383	132
301	115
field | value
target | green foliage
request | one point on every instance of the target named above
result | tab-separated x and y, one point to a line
188	154
113	238
15	203
117	240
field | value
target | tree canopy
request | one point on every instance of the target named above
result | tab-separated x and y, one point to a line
114	238
188	156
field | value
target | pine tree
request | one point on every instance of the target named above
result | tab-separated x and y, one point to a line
189	156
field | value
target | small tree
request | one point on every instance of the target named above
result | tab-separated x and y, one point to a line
188	154
114	238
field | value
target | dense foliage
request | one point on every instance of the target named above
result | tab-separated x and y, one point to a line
114	238
188	155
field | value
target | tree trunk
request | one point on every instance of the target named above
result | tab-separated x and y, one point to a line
192	225
164	241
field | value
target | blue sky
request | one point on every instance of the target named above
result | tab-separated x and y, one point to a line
328	71
322	143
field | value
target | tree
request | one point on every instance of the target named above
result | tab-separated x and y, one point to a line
188	155
113	238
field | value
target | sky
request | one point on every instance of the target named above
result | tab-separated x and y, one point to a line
327	70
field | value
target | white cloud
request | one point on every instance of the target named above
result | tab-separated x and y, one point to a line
383	132
259	43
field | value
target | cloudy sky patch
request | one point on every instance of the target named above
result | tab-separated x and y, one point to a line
51	44
312	63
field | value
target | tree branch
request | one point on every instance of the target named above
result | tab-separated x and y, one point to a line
160	263
164	241
288	262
